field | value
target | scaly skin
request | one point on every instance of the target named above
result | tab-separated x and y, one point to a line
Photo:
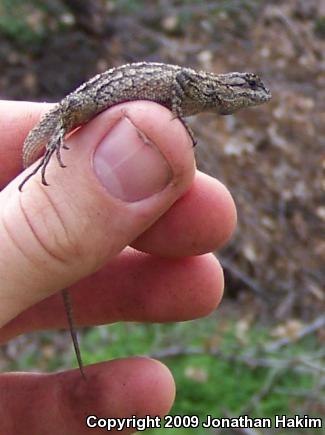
182	90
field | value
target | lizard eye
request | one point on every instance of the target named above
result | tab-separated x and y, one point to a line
253	82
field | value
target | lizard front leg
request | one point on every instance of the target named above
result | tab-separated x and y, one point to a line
178	95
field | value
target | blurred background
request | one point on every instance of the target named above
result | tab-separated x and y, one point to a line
262	352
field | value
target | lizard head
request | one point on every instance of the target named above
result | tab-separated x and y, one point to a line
240	90
227	93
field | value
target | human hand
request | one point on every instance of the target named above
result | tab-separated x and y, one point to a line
77	233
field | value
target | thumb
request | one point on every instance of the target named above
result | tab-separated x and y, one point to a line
124	170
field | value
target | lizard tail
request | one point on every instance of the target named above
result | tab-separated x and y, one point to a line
68	310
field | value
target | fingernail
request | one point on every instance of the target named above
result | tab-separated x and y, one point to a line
129	165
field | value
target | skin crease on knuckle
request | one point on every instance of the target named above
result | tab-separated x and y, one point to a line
44	221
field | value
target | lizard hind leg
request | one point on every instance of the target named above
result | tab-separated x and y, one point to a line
59	143
54	146
30	175
41	166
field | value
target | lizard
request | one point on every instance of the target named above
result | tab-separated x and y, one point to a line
182	90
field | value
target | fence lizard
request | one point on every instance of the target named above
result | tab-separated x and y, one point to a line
182	90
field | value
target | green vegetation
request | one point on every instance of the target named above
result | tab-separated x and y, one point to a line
319	27
19	22
28	23
208	383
